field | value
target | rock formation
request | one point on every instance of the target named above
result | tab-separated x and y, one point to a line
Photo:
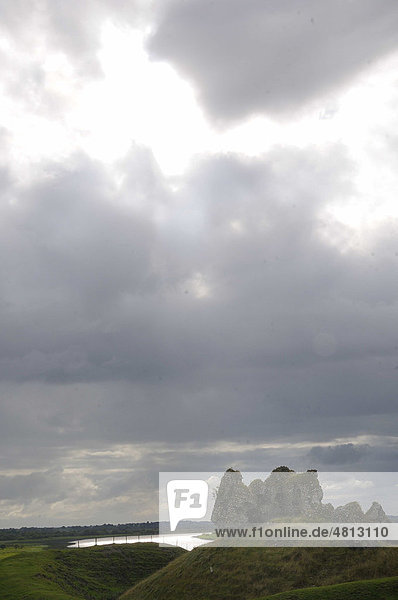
376	514
233	500
283	496
349	513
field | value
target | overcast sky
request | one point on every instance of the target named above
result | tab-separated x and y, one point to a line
199	246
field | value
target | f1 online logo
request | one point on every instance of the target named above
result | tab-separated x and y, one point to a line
187	499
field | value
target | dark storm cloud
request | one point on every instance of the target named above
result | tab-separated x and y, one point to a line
381	456
46	485
232	309
271	56
105	335
340	454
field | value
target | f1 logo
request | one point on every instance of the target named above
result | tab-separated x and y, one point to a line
187	499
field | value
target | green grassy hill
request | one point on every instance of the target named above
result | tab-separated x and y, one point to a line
373	589
248	573
99	573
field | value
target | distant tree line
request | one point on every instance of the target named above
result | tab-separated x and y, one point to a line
35	533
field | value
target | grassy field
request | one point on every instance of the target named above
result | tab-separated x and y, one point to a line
152	573
252	573
98	573
374	589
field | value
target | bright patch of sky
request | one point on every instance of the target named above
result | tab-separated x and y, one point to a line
143	102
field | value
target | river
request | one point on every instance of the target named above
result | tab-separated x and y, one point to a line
188	541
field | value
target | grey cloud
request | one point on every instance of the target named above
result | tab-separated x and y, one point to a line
107	339
46	485
340	454
271	56
355	457
172	320
73	27
120	483
40	29
99	304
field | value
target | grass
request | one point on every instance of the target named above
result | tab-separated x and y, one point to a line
206	536
97	573
373	589
152	573
247	573
20	575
